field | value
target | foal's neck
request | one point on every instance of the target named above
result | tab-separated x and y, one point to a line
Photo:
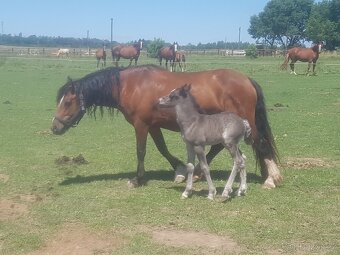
187	113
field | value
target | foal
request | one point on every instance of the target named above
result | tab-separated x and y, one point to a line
199	130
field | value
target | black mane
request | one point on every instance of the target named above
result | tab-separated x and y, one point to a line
97	87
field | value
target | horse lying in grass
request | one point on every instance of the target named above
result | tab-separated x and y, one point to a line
199	130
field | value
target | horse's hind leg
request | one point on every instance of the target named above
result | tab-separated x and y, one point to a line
292	67
180	170
238	165
243	179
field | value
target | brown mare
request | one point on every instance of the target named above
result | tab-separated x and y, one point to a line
180	60
169	54
135	92
131	52
101	55
309	55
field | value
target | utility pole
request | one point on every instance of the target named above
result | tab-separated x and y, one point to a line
239	36
87	41
111	30
2	27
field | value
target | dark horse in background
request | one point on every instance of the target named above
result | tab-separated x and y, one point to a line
101	55
169	54
131	52
309	55
135	92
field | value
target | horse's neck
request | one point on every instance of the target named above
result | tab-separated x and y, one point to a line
186	114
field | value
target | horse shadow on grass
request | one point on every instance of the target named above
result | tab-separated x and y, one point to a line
158	175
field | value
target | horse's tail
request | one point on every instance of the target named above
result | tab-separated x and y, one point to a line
264	144
285	63
248	139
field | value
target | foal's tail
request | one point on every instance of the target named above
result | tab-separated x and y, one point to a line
248	139
264	144
285	63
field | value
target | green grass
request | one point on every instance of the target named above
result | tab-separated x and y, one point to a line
300	217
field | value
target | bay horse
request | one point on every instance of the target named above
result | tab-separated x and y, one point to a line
63	52
169	54
199	130
101	55
130	52
135	92
180	60
309	55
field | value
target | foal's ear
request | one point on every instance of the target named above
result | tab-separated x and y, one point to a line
187	87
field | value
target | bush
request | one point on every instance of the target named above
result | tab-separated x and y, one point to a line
154	47
251	51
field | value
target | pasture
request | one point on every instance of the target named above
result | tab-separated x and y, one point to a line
68	194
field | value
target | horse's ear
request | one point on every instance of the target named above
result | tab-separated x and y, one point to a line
187	87
72	87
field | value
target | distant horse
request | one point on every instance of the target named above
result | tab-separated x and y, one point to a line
199	130
62	52
101	54
180	60
169	54
309	55
131	52
135	92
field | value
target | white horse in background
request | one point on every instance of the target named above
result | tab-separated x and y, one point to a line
62	52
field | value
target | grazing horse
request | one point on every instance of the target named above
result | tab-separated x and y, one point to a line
169	54
62	52
101	54
135	92
309	55
131	52
199	130
180	59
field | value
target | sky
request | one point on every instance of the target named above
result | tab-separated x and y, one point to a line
183	21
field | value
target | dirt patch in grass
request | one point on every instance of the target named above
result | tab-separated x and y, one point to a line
208	242
305	163
17	206
4	178
10	209
78	160
77	239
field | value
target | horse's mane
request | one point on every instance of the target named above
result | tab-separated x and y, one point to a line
97	87
194	102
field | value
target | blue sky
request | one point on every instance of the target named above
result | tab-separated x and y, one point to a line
184	21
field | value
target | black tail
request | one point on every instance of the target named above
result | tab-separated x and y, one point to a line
264	144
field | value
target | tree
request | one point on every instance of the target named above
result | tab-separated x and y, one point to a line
324	23
154	46
283	21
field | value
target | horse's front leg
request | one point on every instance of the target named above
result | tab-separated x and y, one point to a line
190	169
141	131
178	165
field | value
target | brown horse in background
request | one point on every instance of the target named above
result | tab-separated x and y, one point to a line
180	60
101	55
131	52
169	54
309	55
135	92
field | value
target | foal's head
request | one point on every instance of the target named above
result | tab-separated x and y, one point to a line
176	96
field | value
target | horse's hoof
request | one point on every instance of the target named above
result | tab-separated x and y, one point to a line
179	178
269	183
133	183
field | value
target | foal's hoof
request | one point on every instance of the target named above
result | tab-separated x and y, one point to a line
179	178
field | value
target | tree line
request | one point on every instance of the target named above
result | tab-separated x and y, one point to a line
292	22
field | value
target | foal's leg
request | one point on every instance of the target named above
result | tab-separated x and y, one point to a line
214	150
190	169
178	165
243	179
199	150
238	164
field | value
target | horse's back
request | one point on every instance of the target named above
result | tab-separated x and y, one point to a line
215	91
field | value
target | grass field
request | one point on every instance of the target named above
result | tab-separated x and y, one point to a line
49	205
